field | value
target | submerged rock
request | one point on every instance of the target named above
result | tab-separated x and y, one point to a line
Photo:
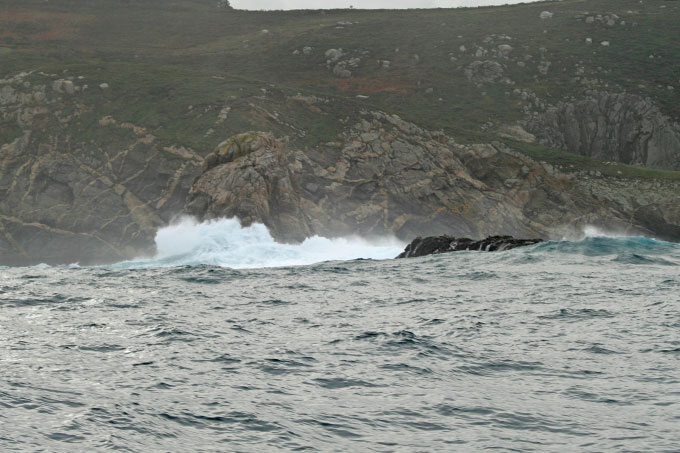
442	244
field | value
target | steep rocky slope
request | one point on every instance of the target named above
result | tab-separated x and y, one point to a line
66	198
619	127
388	176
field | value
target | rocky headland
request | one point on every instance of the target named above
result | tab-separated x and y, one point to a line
533	121
389	176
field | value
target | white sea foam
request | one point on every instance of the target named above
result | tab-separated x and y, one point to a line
590	231
225	243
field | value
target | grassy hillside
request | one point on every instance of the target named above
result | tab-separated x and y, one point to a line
173	66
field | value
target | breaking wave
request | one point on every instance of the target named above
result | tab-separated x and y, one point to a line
226	243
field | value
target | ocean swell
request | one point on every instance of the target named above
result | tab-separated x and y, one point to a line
225	243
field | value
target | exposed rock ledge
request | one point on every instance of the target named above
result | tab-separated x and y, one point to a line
433	245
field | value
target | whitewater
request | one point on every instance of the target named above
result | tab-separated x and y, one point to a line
228	341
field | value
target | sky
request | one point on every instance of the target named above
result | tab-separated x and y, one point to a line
362	4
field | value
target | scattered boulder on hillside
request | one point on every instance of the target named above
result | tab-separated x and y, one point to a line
341	70
608	20
487	71
543	67
341	67
434	245
8	95
504	50
333	55
307	50
546	15
63	86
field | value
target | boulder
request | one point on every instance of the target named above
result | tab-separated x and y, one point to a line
504	50
333	55
546	15
8	95
340	71
68	87
487	71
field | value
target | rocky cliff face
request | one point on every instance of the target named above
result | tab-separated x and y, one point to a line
610	126
64	198
79	184
389	176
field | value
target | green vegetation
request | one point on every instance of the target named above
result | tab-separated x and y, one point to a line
173	66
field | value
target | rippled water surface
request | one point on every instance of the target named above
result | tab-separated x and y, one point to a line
556	347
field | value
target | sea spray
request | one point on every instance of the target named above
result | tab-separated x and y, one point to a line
224	242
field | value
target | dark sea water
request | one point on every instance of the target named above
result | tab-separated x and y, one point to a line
563	346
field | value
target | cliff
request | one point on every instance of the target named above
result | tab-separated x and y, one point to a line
389	176
617	127
77	187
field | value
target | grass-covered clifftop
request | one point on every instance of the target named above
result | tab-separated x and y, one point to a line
169	55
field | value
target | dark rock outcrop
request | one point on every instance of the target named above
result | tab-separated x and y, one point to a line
433	245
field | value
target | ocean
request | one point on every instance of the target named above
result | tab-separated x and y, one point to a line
228	341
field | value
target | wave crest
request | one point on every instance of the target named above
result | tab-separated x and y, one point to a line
610	245
225	243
